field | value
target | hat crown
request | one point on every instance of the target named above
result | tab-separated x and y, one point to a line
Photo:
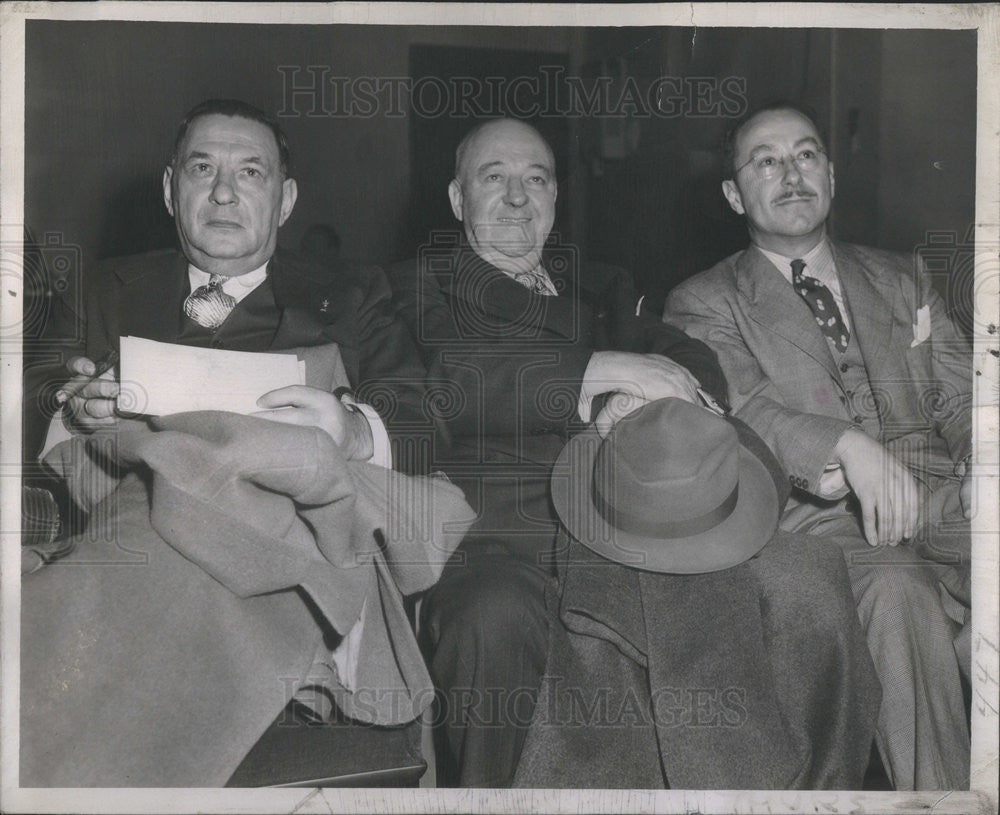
668	463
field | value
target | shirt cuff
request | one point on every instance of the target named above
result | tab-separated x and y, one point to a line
832	485
56	434
345	656
381	449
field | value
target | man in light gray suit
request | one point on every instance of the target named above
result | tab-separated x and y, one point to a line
845	361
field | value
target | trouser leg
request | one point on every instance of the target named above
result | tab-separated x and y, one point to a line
485	633
922	733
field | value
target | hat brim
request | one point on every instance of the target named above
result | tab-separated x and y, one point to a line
739	537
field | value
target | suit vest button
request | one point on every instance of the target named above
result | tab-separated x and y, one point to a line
844	367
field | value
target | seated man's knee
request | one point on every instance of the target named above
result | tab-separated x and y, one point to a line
496	601
901	594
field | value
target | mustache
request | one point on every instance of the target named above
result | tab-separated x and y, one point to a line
797	193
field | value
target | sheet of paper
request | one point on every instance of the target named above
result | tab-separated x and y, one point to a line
159	378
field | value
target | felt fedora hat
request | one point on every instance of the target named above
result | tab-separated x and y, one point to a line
670	489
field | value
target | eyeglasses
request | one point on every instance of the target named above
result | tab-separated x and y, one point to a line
768	165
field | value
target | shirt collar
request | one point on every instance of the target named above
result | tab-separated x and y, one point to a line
818	260
237	287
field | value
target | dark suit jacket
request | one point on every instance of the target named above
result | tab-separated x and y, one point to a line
505	367
784	382
300	304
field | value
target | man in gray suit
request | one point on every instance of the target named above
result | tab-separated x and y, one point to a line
845	361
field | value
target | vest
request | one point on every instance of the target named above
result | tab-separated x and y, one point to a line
250	326
860	402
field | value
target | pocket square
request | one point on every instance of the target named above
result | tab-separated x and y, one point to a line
922	327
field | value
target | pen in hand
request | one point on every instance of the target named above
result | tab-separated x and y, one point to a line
101	367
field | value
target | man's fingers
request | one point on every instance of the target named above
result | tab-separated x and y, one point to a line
883	513
617	407
97	408
81	366
965	496
299	396
911	521
99	389
297	416
868	521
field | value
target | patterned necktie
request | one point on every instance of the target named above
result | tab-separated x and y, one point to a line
209	305
824	308
535	281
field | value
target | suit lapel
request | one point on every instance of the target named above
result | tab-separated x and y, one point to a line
776	307
152	300
518	312
298	298
253	322
872	320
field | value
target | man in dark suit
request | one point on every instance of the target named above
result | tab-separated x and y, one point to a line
523	345
228	188
844	359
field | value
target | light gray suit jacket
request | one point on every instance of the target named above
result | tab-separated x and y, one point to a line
784	382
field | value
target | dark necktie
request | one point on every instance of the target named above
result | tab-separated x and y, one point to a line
824	308
209	305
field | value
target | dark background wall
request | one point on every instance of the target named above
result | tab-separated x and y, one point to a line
103	100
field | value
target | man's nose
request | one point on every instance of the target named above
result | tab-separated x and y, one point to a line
223	190
791	174
515	193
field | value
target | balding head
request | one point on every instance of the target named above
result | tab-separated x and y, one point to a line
483	131
504	192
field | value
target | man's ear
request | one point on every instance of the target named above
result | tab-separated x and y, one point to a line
831	180
455	196
289	194
732	193
168	193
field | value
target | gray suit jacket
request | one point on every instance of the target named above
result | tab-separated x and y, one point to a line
785	384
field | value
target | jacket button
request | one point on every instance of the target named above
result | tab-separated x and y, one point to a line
844	367
857	419
791	478
843	400
805	483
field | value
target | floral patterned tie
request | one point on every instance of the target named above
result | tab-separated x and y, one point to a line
209	305
824	307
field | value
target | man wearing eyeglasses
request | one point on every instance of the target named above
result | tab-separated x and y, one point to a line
844	360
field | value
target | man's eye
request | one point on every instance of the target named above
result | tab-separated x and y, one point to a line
766	161
201	168
538	179
493	177
252	172
807	154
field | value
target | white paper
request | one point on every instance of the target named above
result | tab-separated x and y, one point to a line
159	378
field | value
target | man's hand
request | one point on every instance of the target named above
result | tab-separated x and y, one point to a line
92	407
635	379
311	407
888	494
964	471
